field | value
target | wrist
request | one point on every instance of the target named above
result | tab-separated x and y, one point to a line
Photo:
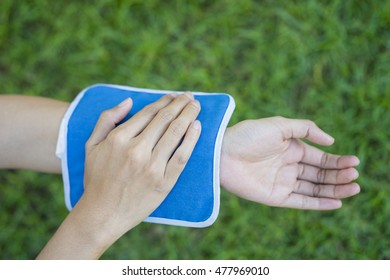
95	224
78	237
224	159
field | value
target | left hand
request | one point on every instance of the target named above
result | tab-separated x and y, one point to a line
129	170
265	161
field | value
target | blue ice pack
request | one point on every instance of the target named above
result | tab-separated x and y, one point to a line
194	200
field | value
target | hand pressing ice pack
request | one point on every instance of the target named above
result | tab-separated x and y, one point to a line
194	200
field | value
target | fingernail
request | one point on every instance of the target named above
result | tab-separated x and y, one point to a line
330	138
173	94
189	95
356	188
356	160
124	102
356	174
196	125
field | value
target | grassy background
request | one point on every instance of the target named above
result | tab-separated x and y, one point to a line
328	61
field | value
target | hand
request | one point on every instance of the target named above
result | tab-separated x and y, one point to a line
129	170
264	161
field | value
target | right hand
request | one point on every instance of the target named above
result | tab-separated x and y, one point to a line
131	168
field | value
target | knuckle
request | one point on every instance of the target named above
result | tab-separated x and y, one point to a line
106	116
311	123
137	146
182	159
307	121
153	173
316	190
321	175
160	186
170	96
116	139
194	106
324	159
186	96
135	156
166	116
151	110
177	128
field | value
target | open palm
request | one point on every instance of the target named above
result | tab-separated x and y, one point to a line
265	161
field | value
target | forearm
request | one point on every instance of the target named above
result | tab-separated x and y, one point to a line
82	235
29	127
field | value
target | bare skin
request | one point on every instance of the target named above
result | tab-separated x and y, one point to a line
130	169
29	127
262	160
265	161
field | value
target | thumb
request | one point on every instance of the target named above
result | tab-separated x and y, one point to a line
108	121
306	129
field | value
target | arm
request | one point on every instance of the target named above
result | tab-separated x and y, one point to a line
29	130
261	160
130	169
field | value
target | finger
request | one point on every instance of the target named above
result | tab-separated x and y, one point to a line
157	127
329	191
139	121
326	176
175	132
316	157
306	129
108	121
300	201
181	156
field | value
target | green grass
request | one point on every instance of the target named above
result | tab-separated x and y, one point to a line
328	61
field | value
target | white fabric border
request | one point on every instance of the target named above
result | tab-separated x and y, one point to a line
61	152
61	149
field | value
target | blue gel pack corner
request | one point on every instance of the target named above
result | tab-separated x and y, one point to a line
194	200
